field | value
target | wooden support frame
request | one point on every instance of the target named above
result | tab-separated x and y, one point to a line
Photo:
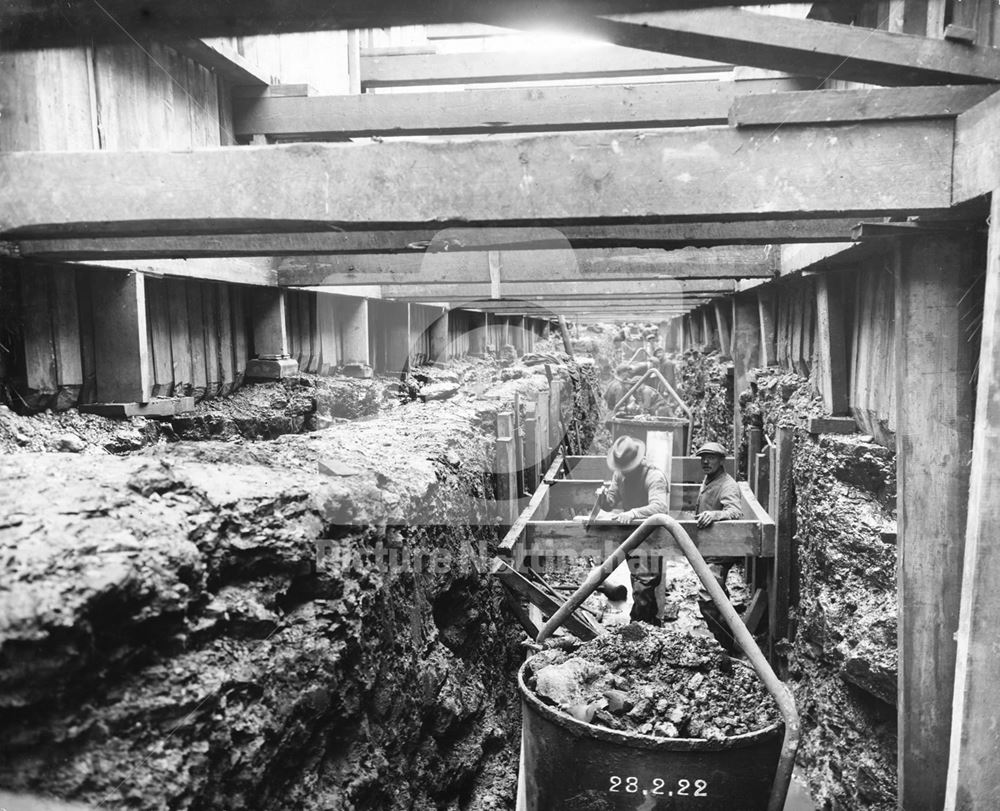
869	104
803	46
121	341
723	310
506	467
766	311
568	63
746	353
674	236
971	780
934	439
832	346
865	169
781	585
515	272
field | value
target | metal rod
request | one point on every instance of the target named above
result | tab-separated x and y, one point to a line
782	697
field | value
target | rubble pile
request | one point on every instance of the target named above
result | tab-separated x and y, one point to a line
654	681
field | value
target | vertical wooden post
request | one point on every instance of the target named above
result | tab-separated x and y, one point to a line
121	339
973	779
555	414
753	448
270	333
397	335
766	301
39	346
933	441
439	337
708	333
69	357
746	355
225	332
180	336
722	323
238	303
530	448
326	328
506	467
784	554
354	336
210	319
544	442
832	354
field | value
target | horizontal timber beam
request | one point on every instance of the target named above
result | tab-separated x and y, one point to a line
666	288
869	104
431	240
557	64
812	47
43	23
864	169
520	109
581	266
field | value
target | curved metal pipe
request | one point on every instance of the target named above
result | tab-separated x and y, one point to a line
780	693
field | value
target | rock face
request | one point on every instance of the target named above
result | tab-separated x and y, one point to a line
171	641
705	385
842	659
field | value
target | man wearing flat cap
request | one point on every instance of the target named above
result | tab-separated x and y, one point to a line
637	485
719	496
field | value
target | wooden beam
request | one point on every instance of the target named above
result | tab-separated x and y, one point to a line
723	310
567	538
934	363
557	64
698	268
40	23
869	104
766	298
869	169
832	345
977	159
803	46
780	498
223	60
565	289
260	272
520	109
746	353
666	235
971	782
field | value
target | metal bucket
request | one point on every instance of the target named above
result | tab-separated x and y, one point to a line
572	766
638	429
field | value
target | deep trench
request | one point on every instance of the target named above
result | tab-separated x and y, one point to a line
177	644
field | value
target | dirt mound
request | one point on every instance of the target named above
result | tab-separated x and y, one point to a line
654	681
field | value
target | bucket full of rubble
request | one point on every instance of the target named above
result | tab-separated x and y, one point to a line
646	718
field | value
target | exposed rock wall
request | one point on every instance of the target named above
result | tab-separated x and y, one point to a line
842	658
705	384
173	643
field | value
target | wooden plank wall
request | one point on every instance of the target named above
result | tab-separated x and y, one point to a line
112	97
871	359
459	324
303	332
196	332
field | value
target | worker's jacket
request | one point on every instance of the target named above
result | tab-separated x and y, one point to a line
643	490
722	493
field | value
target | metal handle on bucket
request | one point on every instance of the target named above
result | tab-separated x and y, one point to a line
782	697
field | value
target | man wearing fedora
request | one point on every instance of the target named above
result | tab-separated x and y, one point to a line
637	485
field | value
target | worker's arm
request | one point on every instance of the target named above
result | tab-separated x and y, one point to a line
656	487
612	493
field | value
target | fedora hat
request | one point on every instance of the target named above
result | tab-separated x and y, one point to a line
711	447
626	454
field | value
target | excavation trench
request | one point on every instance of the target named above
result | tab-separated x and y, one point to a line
173	639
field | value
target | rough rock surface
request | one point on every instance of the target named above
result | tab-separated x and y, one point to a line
169	639
706	387
842	659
